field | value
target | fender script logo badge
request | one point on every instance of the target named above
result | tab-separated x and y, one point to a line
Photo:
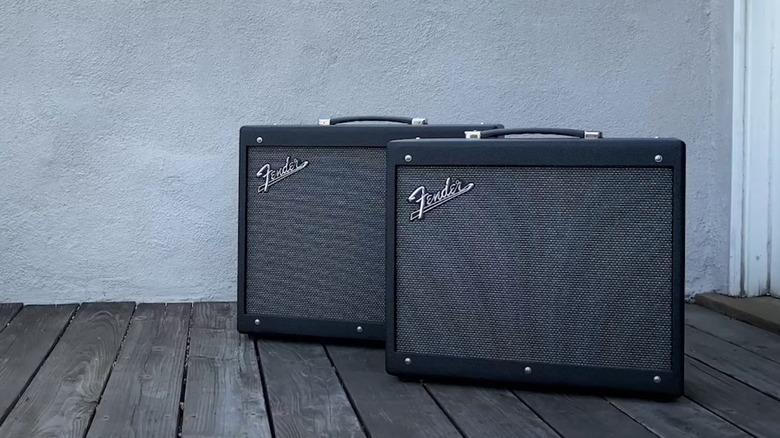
429	201
271	177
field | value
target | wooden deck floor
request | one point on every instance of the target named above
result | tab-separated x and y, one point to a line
117	369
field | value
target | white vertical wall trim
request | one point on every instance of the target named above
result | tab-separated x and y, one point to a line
736	262
757	129
756	152
774	154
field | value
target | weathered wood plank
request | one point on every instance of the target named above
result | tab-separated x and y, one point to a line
388	406
575	416
224	393
763	312
7	312
24	345
62	397
681	417
740	404
305	395
743	365
143	393
751	338
489	412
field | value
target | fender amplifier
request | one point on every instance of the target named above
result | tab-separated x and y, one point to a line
546	261
311	225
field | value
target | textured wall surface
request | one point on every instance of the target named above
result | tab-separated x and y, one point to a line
119	119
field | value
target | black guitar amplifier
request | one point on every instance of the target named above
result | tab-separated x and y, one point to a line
311	225
550	261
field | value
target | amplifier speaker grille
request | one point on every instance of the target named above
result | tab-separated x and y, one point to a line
304	231
562	265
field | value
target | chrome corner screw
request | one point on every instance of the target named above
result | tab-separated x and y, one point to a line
528	370
259	139
408	158
360	329
257	322
658	158
657	379
407	361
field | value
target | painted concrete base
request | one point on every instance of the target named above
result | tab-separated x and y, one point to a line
763	312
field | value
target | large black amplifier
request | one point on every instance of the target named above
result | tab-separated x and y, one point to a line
555	261
311	225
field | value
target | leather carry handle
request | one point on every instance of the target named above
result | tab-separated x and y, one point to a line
492	133
349	119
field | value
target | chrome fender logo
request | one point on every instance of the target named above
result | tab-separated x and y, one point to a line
428	201
271	177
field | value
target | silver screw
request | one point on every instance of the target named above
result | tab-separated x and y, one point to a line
408	361
527	370
360	329
408	158
259	139
257	322
658	158
657	379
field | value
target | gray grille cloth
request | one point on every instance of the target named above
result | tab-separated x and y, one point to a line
552	265
316	240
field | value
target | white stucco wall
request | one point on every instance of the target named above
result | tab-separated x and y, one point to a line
119	119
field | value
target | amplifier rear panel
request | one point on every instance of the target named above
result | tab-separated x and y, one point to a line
561	265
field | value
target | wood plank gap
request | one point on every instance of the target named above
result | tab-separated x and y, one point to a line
732	400
390	407
113	365
736	332
180	419
489	411
743	365
307	398
346	391
4	415
266	398
63	395
7	313
531	408
224	393
141	397
575	415
681	417
447	414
